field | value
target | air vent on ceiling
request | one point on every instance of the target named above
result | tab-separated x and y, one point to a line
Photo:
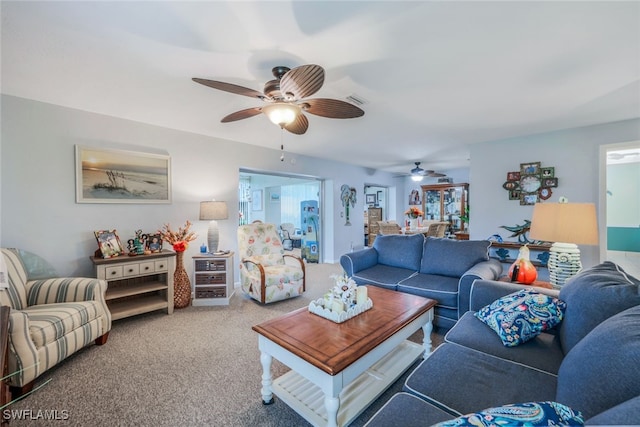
356	99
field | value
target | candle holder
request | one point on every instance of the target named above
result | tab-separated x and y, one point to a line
344	301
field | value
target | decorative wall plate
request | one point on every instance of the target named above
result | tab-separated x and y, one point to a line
544	193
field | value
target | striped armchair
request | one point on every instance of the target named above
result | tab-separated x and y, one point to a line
51	318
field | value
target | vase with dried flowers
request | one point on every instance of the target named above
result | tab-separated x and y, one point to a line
180	241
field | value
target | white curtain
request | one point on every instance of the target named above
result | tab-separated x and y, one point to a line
290	198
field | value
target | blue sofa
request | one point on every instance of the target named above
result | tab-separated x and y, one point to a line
589	362
436	268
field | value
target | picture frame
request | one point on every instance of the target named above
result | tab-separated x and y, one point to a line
513	176
121	176
370	199
545	193
528	199
256	200
274	197
109	243
549	172
511	185
531	168
414	198
550	182
379	196
153	242
514	195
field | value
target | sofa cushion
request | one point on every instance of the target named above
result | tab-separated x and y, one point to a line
409	411
440	288
520	414
397	250
601	371
522	315
382	275
594	295
625	414
50	322
542	352
464	380
452	257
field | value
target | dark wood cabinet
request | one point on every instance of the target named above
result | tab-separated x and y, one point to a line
446	203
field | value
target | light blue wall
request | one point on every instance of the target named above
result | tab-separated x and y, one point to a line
38	210
575	155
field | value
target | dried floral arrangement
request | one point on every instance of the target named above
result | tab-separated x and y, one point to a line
179	239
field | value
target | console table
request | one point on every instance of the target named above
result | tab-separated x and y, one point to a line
137	284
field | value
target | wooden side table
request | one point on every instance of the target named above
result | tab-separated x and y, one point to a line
537	283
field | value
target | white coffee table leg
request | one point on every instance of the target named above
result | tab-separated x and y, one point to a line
427	328
267	392
332	404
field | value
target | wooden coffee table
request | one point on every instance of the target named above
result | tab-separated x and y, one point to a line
338	369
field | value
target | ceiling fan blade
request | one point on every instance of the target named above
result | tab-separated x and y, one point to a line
435	174
302	81
229	87
242	114
331	108
299	125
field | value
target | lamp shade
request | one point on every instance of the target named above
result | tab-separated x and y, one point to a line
565	222
281	113
213	210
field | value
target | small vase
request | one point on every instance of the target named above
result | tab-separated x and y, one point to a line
181	284
413	223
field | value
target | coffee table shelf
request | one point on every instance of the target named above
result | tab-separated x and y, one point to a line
308	399
338	369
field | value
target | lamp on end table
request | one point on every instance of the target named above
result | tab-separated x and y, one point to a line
213	211
567	225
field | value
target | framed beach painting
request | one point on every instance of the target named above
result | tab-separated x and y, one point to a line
120	176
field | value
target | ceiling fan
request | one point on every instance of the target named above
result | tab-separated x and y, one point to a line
418	173
286	98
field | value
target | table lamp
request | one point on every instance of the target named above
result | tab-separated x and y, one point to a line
567	225
213	211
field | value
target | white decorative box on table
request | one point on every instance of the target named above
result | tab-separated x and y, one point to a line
344	301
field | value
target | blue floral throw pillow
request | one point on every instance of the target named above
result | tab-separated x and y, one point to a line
522	315
520	414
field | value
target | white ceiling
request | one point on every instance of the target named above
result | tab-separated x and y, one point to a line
436	76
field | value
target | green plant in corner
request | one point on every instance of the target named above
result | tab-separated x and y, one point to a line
465	217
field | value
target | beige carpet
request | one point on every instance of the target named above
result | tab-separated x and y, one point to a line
197	367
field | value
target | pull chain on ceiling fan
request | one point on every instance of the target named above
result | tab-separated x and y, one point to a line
286	98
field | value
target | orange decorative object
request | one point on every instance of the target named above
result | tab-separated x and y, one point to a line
522	270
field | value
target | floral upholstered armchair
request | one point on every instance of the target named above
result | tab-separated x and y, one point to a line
51	317
266	273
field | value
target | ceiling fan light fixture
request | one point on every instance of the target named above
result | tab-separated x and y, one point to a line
281	113
416	178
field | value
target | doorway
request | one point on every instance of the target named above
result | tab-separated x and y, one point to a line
285	199
620	205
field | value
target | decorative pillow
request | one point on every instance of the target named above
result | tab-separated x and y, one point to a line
522	315
452	258
520	414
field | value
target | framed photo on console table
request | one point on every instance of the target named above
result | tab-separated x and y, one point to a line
120	176
109	243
